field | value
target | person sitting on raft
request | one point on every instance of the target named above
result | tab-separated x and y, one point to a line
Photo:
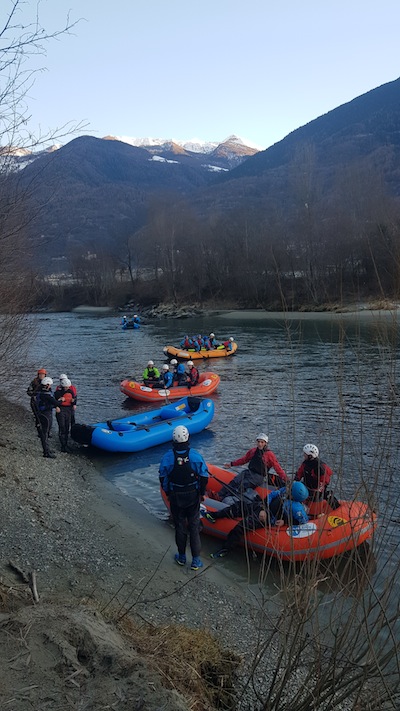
198	343
186	343
260	460
228	345
314	473
151	375
166	377
281	507
213	341
207	343
193	374
179	376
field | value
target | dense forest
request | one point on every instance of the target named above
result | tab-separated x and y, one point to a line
318	251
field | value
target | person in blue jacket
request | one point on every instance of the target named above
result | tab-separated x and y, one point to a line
281	507
183	476
166	377
186	342
180	376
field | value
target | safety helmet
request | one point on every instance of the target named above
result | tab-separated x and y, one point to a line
231	339
174	361
180	434
165	367
65	382
212	335
151	362
63	376
298	491
134	315
311	450
263	436
190	363
42	370
47	381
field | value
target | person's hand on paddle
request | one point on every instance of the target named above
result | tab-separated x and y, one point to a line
228	464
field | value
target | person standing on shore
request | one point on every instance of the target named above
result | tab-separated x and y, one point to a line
74	391
45	403
183	476
65	397
33	388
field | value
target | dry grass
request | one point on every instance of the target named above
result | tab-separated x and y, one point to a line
191	662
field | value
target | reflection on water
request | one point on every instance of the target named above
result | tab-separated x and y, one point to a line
329	381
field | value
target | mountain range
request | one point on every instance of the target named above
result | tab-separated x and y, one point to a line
91	191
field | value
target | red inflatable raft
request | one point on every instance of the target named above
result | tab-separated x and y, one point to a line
328	532
208	382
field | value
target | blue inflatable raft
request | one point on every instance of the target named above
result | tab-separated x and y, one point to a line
138	432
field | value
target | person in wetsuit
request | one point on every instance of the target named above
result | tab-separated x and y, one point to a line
183	476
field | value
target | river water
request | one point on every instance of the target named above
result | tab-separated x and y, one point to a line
328	380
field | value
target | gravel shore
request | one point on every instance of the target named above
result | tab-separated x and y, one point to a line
88	545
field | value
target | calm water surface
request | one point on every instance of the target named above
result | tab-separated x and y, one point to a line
322	380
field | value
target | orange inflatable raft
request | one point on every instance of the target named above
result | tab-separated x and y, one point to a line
203	354
208	382
328	532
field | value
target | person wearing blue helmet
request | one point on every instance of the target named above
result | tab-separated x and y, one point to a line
282	507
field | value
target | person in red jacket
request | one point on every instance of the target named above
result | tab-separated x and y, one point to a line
260	460
314	473
193	374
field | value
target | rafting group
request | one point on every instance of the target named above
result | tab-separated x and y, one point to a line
128	323
259	507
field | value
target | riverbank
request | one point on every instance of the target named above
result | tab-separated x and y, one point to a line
94	554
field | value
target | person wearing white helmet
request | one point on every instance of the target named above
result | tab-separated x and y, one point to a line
33	388
213	341
179	376
260	460
65	395
63	379
228	344
151	375
183	476
166	377
193	374
314	473
45	403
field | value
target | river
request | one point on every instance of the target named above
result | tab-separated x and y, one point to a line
324	379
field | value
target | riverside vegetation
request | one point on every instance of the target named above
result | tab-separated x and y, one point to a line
117	625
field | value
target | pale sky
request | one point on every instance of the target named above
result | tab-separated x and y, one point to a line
183	69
